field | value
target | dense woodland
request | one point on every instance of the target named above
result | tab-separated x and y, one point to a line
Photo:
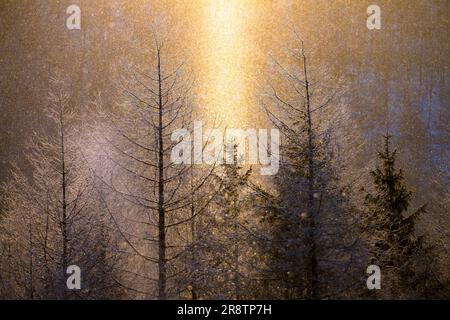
85	150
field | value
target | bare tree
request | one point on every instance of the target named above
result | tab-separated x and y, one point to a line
311	198
153	101
52	216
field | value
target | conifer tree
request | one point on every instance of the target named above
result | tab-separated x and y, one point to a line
227	260
310	228
51	216
222	245
393	242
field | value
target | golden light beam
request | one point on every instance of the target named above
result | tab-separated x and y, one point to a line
224	60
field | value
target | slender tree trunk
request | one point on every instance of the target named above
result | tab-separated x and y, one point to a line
64	208
237	278
312	277
161	211
193	239
47	223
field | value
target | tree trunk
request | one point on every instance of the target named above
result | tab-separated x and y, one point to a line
161	211
312	276
64	208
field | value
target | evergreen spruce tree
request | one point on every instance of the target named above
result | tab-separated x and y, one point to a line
223	245
228	265
394	244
